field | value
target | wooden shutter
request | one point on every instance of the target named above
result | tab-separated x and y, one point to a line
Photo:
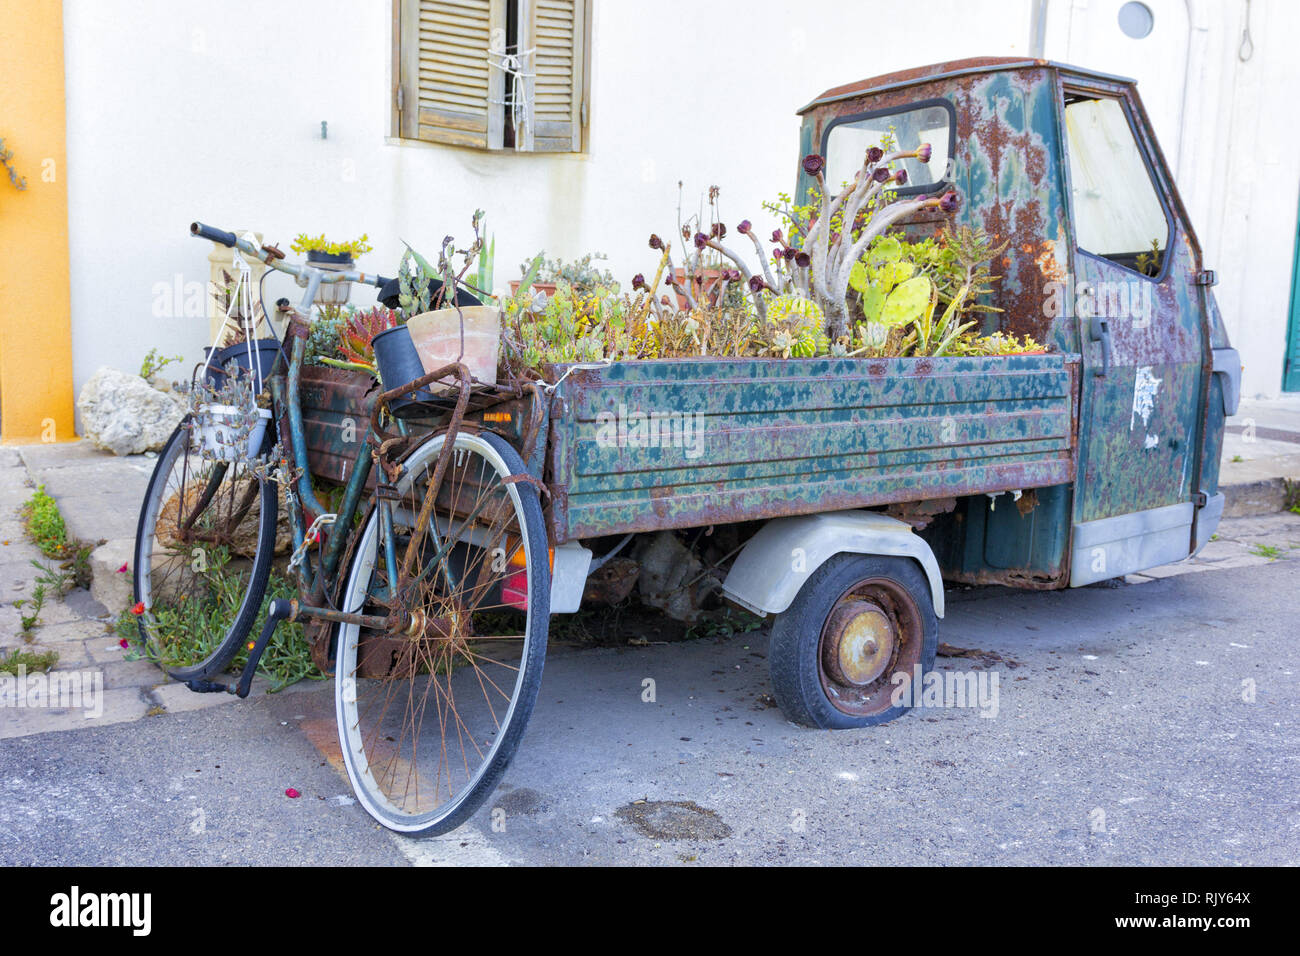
450	93
555	30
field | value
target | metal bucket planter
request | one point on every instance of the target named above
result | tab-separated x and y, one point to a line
223	436
334	293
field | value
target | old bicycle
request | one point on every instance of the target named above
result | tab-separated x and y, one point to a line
435	590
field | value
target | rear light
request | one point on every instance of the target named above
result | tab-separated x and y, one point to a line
514	590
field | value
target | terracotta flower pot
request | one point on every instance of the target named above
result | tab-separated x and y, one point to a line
437	337
547	287
711	277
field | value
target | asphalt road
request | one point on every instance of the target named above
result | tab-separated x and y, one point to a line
1123	735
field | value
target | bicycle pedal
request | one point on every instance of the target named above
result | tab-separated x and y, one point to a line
208	687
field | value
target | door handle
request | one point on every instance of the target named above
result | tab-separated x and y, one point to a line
1099	331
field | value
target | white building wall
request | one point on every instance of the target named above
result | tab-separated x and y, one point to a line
1224	117
193	111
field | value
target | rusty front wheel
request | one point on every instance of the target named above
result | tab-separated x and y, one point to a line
860	626
432	707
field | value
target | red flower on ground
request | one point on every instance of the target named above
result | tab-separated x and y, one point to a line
138	609
122	569
124	643
291	793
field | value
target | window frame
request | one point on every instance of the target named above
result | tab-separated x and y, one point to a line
582	112
1075	92
912	190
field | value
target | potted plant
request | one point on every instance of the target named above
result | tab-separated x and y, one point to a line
581	275
433	333
332	257
229	421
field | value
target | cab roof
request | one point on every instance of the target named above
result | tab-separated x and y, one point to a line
952	68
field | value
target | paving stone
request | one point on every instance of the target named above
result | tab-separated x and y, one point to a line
113	588
107	707
124	673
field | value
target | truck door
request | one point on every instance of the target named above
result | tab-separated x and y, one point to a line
1144	343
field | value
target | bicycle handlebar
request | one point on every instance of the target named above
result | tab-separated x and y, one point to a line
275	260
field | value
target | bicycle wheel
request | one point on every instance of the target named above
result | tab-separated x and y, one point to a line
203	551
431	709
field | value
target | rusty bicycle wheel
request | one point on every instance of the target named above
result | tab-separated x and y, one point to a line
204	545
431	708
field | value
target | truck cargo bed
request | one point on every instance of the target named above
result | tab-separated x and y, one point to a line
648	445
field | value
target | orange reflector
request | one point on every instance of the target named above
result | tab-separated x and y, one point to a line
519	560
496	416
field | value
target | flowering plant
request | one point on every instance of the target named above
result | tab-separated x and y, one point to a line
354	248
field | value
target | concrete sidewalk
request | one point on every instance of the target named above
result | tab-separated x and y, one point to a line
99	497
1261	453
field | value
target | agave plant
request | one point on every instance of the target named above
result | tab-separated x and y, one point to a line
356	338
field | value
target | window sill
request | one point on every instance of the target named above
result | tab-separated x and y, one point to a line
425	144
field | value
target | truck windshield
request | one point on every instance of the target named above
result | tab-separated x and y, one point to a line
848	140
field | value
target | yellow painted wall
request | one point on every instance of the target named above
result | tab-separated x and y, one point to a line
36	399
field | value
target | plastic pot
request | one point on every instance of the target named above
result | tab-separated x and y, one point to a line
265	351
334	293
215	437
437	338
398	363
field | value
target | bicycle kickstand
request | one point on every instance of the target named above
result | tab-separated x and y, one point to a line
278	610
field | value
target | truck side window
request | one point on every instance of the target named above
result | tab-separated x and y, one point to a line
848	139
1117	211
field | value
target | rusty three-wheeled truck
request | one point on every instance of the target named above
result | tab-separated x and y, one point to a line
836	495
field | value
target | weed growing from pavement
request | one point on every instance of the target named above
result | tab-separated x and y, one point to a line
190	630
45	527
1266	551
1291	501
30	617
44	524
29	661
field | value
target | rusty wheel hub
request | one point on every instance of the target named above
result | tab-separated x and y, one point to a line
859	644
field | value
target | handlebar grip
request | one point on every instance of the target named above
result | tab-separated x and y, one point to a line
215	235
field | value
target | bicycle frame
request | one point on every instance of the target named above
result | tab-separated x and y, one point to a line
316	583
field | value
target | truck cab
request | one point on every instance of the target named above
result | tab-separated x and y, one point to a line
1101	262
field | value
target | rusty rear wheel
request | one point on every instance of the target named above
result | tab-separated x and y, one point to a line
857	627
204	545
431	708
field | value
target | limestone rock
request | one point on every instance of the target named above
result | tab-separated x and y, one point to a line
124	414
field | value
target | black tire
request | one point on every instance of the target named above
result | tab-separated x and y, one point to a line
815	693
388	732
164	575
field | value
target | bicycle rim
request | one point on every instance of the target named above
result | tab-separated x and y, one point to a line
431	713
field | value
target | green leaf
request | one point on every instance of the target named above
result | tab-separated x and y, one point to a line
888	249
858	278
906	302
425	269
530	276
892	273
873	303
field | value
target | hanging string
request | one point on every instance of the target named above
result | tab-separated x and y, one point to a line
1247	48
511	64
241	306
